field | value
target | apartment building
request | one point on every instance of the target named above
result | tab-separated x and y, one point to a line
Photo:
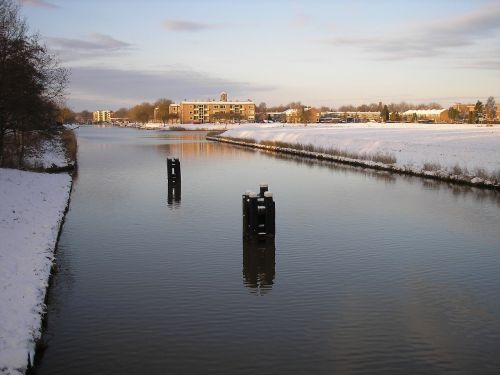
101	116
222	110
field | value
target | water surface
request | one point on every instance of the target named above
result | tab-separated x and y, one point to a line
370	272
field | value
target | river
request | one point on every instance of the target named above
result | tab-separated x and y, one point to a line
370	272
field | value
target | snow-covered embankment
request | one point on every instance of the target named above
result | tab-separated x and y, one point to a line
32	208
466	153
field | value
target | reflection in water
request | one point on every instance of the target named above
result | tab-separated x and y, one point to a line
259	265
174	194
398	277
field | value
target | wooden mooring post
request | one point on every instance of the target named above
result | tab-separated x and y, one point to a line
259	214
174	171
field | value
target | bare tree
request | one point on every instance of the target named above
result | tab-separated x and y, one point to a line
163	106
491	108
32	83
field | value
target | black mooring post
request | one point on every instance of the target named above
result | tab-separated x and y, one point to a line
177	170
263	189
258	215
169	169
174	170
245	212
253	212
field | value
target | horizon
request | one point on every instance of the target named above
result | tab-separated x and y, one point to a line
321	54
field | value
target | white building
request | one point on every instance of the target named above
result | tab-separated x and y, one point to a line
436	115
101	116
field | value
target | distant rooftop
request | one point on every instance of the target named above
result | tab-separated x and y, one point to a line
424	112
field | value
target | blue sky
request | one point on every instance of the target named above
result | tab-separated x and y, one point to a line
318	52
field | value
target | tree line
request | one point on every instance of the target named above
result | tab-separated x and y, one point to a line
140	113
481	113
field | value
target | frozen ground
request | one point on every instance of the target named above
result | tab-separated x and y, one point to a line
416	146
31	210
50	154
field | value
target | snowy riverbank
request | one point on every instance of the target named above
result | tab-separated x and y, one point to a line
458	152
31	212
32	207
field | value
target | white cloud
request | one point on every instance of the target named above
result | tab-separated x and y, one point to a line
93	87
39	4
188	26
430	38
70	49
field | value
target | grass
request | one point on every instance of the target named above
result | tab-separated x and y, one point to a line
178	128
34	143
379	157
431	166
481	173
68	138
242	140
459	171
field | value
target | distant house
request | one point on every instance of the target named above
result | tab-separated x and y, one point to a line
174	111
349	116
292	116
433	115
276	116
465	109
101	116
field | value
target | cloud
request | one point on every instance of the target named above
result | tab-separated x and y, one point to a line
77	49
430	38
39	4
93	87
188	26
300	20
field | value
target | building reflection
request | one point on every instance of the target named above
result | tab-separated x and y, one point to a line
259	262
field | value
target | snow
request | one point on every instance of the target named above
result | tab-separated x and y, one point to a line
159	126
32	206
424	112
50	153
470	147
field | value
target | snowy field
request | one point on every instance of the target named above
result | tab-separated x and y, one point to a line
32	206
415	146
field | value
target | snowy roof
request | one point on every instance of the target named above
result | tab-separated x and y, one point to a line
424	112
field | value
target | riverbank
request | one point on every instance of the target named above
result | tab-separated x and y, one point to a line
32	209
459	153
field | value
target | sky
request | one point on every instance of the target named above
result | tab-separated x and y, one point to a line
320	52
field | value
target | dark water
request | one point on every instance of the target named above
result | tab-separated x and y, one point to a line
372	273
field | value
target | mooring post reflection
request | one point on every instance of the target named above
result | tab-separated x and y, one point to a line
259	262
174	193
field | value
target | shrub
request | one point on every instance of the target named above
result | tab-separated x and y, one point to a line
431	166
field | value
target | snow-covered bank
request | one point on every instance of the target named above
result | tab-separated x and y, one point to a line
458	152
157	126
32	207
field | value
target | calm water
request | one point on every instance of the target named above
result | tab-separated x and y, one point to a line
371	272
